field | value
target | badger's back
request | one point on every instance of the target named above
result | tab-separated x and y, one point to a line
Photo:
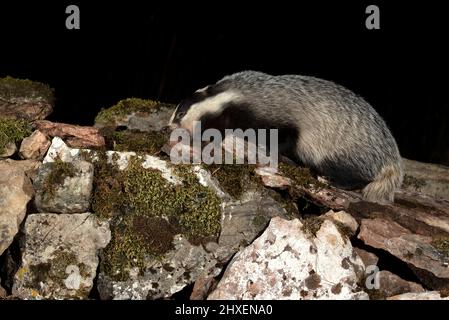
337	132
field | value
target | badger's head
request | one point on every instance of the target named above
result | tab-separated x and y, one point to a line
208	102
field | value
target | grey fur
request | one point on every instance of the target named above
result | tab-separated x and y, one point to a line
339	133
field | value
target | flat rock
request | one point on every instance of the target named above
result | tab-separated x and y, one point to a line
34	146
426	178
428	295
420	252
74	136
391	285
63	187
59	255
284	263
136	114
16	191
25	99
368	258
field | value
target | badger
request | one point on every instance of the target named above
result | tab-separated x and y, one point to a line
321	124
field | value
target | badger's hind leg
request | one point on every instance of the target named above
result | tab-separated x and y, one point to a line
382	189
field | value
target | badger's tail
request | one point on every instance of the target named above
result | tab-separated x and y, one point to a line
382	189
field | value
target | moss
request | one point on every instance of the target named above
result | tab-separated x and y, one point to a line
442	245
152	211
413	182
311	225
235	178
11	89
13	131
124	108
60	170
134	140
107	199
299	175
55	269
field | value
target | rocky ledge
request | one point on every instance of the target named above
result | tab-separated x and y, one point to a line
101	213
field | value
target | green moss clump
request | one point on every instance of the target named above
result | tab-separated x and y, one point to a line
13	131
124	108
299	175
442	245
108	198
413	182
11	89
60	170
311	225
152	211
235	178
55	269
134	140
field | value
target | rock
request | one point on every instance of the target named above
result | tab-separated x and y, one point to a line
426	178
8	150
30	167
136	114
59	255
3	293
64	187
25	99
178	259
391	285
75	136
284	263
202	288
428	295
34	146
368	258
244	219
344	219
16	191
420	252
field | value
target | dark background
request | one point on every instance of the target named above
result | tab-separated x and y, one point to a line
150	50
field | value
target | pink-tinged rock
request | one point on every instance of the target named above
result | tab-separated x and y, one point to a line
34	146
75	136
418	251
428	295
344	219
391	285
368	258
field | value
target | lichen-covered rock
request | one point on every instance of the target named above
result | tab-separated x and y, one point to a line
426	178
426	256
16	191
25	99
59	255
64	187
286	263
428	295
170	224
136	114
35	146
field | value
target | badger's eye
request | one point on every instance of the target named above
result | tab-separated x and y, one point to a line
180	114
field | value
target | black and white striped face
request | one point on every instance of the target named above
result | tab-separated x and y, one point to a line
204	101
